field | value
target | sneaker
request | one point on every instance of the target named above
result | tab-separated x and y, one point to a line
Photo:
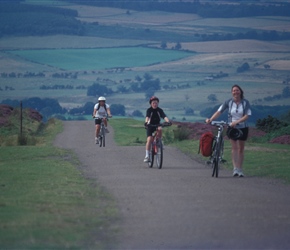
146	159
96	140
236	173
107	131
241	174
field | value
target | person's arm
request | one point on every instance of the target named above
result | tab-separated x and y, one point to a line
166	119
147	116
109	112
243	119
94	112
213	117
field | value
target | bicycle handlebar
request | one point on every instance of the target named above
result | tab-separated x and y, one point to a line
219	123
164	124
108	116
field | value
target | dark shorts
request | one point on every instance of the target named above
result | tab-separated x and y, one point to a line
150	131
98	121
244	137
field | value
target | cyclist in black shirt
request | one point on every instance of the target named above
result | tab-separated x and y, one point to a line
153	116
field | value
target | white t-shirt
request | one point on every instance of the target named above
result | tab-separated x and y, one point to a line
237	112
102	111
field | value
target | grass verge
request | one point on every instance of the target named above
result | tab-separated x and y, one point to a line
46	203
261	159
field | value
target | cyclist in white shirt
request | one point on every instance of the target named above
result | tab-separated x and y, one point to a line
101	112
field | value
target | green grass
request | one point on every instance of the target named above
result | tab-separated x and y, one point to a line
261	159
128	132
89	59
46	203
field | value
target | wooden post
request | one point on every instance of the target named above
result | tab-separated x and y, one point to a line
20	119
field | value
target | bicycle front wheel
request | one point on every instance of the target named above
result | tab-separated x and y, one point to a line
104	137
151	157
159	154
216	160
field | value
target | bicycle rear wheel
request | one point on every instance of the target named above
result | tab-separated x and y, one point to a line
159	154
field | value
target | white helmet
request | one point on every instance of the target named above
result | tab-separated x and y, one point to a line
101	98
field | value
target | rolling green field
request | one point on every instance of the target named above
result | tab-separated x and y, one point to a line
100	59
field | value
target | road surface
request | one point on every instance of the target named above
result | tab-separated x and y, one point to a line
181	206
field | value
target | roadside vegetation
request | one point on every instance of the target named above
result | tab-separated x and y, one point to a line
45	202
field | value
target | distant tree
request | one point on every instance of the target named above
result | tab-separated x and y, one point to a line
98	90
189	111
118	109
150	84
138	78
286	92
137	113
177	46
135	87
149	92
147	76
163	45
88	108
122	89
243	68
212	98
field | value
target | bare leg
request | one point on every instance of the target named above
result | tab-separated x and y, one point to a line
105	122
235	156
97	130
238	157
148	143
240	153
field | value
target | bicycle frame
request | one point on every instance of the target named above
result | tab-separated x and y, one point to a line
156	148
218	146
102	133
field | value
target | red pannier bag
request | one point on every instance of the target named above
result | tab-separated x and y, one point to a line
205	144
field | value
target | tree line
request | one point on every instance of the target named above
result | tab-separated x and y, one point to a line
26	19
206	10
29	19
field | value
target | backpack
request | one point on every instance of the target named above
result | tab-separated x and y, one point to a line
105	106
205	144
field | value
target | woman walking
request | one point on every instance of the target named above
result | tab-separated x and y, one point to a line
239	111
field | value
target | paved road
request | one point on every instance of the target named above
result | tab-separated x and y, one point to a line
182	206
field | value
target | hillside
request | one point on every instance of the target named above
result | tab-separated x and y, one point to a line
210	68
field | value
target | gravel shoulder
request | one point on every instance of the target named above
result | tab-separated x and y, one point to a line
181	206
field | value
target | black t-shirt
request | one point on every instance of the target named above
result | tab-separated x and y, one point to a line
155	115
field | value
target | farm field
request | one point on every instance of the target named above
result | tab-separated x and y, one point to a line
193	65
101	58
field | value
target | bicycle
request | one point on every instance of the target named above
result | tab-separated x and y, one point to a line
156	147
102	134
218	148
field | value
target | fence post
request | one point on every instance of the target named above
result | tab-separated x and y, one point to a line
20	119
